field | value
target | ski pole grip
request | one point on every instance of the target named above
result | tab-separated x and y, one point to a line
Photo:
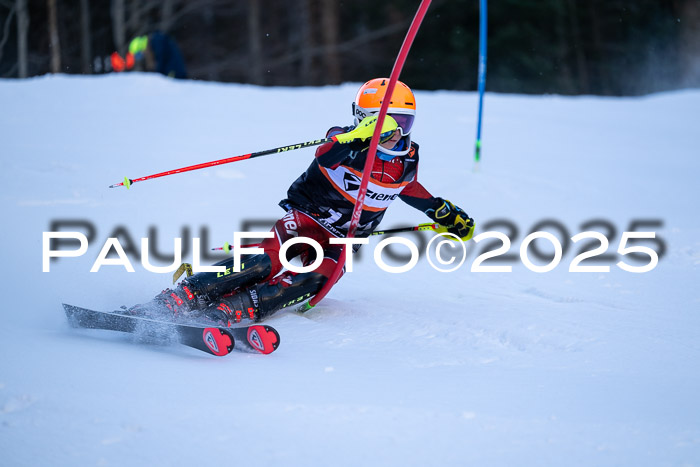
365	129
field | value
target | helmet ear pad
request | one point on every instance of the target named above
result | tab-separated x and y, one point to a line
359	113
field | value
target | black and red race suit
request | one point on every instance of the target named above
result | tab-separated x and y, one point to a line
327	191
319	205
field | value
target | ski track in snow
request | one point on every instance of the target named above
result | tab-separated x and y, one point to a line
421	368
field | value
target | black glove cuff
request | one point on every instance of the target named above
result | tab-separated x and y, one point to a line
435	204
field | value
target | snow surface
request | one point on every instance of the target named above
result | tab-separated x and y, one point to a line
420	368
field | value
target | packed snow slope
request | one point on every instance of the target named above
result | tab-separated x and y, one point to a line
420	368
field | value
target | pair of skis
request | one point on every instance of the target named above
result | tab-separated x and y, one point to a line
219	341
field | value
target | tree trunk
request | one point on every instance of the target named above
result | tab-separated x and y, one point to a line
581	65
601	78
85	37
689	46
119	26
135	25
255	72
329	29
166	15
566	81
54	42
22	33
305	69
6	29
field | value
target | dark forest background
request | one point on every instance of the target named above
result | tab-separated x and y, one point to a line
608	47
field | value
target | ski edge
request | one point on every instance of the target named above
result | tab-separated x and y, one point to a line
218	341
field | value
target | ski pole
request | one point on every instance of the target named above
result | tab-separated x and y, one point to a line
227	247
416	228
420	227
363	131
128	181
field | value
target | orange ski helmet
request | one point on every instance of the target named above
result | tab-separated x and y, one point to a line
402	107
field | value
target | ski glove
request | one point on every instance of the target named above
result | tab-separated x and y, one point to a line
365	129
454	218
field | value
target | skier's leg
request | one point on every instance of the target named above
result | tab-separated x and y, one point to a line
286	290
261	301
290	289
212	285
200	290
254	268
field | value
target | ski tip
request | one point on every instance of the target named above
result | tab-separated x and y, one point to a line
73	314
264	339
218	341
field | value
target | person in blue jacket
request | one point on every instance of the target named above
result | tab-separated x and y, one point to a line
157	52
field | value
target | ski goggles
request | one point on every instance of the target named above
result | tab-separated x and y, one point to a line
404	120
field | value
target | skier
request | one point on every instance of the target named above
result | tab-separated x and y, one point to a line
319	205
154	52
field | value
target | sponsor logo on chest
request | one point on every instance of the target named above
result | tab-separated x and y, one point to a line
379	196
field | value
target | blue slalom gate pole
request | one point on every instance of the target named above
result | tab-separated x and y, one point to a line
482	75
